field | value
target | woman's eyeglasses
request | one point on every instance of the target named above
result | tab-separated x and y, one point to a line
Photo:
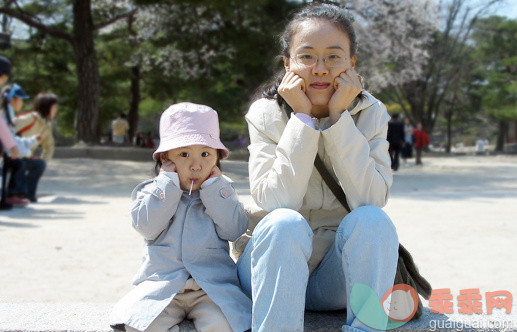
309	60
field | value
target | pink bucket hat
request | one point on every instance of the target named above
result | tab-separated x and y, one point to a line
187	124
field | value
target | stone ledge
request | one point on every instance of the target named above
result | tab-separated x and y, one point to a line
81	317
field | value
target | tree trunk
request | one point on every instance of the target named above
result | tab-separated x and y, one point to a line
135	101
448	115
87	116
501	136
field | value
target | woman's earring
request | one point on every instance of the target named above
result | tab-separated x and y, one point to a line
361	80
286	64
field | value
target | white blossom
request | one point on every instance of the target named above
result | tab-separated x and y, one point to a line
393	37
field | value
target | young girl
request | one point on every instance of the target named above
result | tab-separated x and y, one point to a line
187	214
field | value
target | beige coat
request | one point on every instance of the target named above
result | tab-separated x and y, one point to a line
38	126
282	172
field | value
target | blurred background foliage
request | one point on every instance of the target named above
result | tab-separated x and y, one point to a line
447	64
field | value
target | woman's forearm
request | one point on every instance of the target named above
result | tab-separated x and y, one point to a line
280	172
361	164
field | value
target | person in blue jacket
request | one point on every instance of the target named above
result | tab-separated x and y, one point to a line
187	214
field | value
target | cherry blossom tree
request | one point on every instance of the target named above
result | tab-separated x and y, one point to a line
442	76
393	37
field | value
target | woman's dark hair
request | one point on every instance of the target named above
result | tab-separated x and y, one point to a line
158	164
328	12
43	103
5	91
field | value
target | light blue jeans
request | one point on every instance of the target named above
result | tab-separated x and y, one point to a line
273	268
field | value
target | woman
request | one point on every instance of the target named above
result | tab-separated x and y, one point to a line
38	122
307	253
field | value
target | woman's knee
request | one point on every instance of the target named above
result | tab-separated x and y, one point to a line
370	223
284	223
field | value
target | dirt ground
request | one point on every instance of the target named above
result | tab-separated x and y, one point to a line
456	215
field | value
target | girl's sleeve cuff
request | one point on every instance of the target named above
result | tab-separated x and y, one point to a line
174	177
208	182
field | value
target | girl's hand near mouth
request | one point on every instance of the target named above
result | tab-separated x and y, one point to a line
215	172
167	165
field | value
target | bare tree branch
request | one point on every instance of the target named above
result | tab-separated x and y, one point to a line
30	21
114	19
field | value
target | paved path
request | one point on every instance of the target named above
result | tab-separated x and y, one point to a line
457	215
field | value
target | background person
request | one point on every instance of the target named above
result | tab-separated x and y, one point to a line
5	70
119	128
421	142
396	140
6	138
149	141
12	101
407	148
7	143
38	122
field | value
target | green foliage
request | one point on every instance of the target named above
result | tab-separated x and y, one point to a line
230	131
113	53
394	108
211	52
240	35
496	52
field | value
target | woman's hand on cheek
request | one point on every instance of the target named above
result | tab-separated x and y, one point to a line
292	89
347	86
215	172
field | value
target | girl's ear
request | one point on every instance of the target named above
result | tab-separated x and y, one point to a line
286	64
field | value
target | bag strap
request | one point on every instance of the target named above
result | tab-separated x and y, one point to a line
331	182
29	126
327	177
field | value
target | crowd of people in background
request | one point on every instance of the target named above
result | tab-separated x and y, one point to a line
144	141
403	137
20	136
